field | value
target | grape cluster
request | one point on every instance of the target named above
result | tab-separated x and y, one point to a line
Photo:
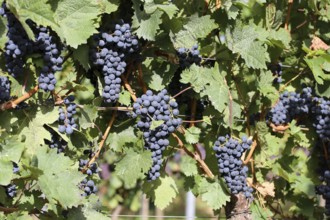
156	107
228	152
11	190
15	167
57	142
110	55
66	120
324	190
321	113
189	57
18	44
91	169
291	105
276	69
88	186
46	45
4	89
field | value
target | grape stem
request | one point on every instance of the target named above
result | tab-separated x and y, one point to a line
120	108
8	210
249	156
192	121
195	156
141	82
286	25
129	88
179	93
279	128
286	84
13	104
101	144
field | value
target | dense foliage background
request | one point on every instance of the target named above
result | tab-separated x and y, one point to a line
245	47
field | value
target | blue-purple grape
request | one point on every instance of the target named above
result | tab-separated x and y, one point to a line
228	152
4	89
155	107
67	122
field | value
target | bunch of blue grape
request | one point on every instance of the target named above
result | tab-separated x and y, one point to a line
66	120
46	45
92	169
324	190
291	105
4	89
15	167
321	113
189	57
156	107
57	142
18	44
110	55
88	186
11	189
276	69
228	152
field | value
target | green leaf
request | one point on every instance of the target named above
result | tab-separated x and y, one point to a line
133	166
260	212
315	64
125	97
167	187
197	27
38	11
299	136
89	114
60	178
81	54
117	140
155	124
6	168
242	40
148	25
72	15
208	82
169	9
107	7
265	85
35	118
213	194
192	135
157	73
11	149
188	166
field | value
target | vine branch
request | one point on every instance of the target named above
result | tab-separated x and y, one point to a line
12	104
101	144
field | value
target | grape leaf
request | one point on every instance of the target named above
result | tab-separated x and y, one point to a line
148	27
81	54
71	15
188	166
213	194
242	40
38	11
197	27
208	81
125	97
11	149
157	73
34	120
169	9
155	124
192	135
133	166
6	168
167	186
117	140
88	116
60	178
